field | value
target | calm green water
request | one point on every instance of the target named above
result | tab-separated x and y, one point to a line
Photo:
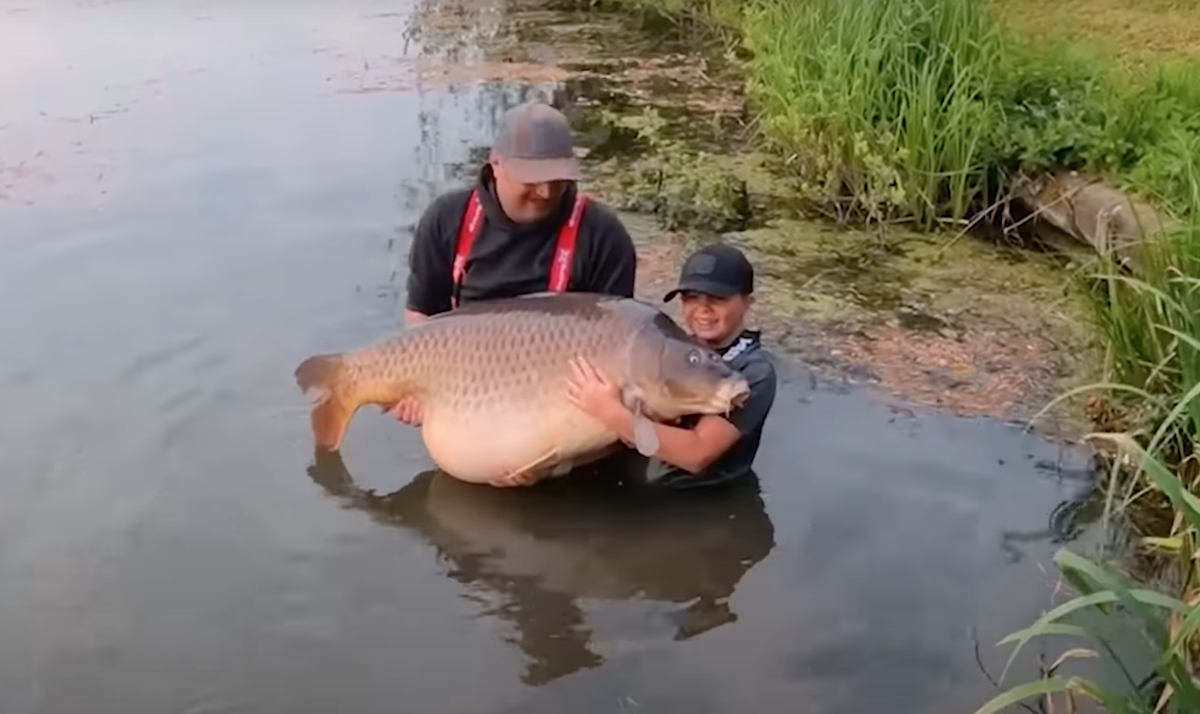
193	201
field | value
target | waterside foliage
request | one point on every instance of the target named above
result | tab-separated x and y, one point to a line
1152	323
922	111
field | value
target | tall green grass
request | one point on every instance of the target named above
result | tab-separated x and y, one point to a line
885	104
921	109
723	16
1152	323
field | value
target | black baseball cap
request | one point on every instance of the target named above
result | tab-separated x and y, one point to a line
716	269
535	144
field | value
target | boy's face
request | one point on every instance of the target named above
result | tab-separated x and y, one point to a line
715	320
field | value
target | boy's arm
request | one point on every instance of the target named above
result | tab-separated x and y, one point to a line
695	449
689	449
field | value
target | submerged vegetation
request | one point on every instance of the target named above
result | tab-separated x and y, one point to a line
927	112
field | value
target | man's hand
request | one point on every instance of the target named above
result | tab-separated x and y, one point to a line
412	317
405	410
516	480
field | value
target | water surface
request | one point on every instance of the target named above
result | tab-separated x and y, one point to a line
193	197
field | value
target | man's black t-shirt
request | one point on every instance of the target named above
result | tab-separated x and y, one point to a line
509	259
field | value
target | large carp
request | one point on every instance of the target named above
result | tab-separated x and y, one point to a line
491	382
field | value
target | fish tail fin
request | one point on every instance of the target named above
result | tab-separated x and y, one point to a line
320	377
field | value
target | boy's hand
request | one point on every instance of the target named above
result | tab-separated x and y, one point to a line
594	393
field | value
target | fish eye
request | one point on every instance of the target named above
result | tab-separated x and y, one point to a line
694	358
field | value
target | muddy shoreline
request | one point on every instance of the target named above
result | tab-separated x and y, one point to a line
958	323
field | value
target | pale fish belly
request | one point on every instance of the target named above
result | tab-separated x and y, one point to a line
503	406
481	450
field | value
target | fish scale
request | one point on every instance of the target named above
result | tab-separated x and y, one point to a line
490	379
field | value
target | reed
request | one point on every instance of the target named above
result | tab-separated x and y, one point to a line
883	105
919	110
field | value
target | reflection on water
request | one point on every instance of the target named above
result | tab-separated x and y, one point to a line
533	557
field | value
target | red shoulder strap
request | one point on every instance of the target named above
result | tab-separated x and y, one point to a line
467	230
564	250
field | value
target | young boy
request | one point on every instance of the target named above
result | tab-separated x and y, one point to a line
716	286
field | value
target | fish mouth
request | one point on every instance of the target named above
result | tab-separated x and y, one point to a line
733	394
729	395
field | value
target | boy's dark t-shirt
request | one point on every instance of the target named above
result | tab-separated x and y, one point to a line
509	259
746	356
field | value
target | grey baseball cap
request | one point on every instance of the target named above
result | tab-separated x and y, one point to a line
535	144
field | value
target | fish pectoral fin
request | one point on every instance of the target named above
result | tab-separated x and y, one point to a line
532	472
645	438
562	469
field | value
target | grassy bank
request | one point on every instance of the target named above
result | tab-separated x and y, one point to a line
1138	33
921	109
922	112
1153	326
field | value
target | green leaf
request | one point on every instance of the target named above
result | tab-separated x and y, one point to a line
1111	702
1170	419
1137	599
1019	694
1073	653
1189	627
1173	544
1182	499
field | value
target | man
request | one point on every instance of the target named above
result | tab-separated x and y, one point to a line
716	286
522	228
529	231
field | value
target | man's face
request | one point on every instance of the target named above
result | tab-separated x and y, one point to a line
525	202
714	320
